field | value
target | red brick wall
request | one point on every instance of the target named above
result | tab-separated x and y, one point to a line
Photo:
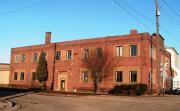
72	67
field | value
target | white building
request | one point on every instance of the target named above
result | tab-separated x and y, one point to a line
4	75
175	66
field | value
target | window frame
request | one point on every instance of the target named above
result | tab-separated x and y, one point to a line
67	55
119	51
87	75
35	60
99	53
132	79
16	59
15	76
33	77
132	52
22	73
121	77
58	55
23	58
85	53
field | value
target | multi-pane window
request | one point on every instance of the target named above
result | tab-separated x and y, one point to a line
85	53
35	57
133	50
23	58
16	59
69	54
85	76
119	51
58	55
99	51
119	76
133	76
22	76
33	76
15	75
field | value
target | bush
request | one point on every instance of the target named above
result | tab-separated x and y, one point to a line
131	89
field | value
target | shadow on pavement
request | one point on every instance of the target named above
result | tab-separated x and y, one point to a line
13	91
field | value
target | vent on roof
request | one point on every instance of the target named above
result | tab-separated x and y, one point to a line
133	32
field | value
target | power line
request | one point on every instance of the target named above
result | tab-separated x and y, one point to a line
25	7
132	15
170	17
148	19
171	8
138	12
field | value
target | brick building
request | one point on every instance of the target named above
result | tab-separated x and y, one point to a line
131	53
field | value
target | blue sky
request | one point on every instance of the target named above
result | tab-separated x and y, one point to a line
79	19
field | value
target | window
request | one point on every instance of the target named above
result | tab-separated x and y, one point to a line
85	76
133	50
119	51
69	54
15	75
33	76
85	53
35	57
119	76
133	76
16	58
23	59
99	52
58	55
22	76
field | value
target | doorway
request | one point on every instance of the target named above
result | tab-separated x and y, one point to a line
63	84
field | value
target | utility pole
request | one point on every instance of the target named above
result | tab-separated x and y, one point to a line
158	47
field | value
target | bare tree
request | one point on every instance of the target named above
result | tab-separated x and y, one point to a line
99	63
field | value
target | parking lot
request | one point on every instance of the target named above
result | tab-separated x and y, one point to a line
36	102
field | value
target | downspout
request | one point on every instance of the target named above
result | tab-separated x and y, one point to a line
141	56
54	62
151	75
171	78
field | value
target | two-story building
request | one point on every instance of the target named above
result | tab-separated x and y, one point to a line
132	54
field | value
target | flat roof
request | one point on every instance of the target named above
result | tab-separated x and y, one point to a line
86	39
4	64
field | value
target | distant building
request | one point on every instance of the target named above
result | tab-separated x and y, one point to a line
66	72
4	75
175	66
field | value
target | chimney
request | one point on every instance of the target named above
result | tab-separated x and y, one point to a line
48	38
133	32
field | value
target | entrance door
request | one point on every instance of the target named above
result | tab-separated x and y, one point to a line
63	82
